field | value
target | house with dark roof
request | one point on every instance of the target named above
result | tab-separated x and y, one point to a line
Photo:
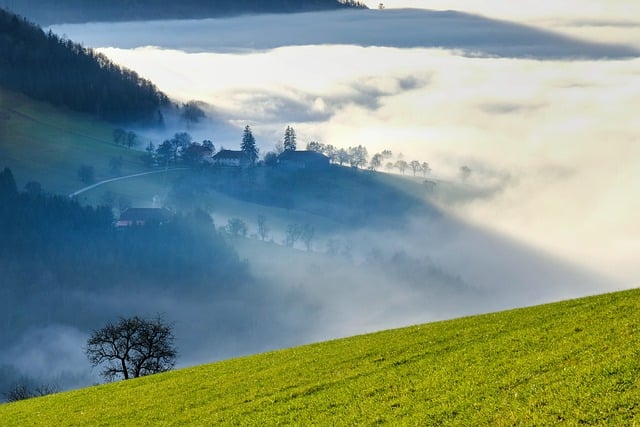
231	158
143	216
310	160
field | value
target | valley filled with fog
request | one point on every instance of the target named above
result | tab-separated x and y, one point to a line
544	120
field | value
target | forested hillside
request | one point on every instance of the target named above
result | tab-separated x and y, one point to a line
64	11
45	67
53	250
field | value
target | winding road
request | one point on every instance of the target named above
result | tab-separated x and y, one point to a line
82	190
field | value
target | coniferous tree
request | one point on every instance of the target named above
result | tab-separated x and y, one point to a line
289	139
248	145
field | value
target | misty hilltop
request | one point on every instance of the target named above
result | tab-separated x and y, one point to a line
48	12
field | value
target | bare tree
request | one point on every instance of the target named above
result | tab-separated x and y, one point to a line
24	391
263	229
119	136
292	234
307	235
315	146
342	156
426	169
237	227
131	139
430	185
415	167
376	161
401	165
132	347
358	156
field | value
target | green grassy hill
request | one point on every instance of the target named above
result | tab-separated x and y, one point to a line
574	362
47	144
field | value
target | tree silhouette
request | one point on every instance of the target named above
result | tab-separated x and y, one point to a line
132	347
248	145
415	167
289	139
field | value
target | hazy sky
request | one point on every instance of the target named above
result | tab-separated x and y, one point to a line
554	137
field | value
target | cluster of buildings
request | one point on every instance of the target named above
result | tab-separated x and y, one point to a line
289	159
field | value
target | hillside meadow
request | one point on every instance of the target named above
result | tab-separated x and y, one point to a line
574	362
43	143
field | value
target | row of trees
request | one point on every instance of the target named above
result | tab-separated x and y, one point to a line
358	157
236	227
46	67
415	166
181	146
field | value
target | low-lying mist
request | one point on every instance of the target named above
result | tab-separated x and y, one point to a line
557	134
547	211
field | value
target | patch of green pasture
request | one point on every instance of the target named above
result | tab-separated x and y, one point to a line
574	362
43	143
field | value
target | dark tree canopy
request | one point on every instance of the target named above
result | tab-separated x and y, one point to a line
26	391
133	347
192	112
46	67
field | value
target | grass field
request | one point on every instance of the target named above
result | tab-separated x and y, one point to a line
46	144
573	363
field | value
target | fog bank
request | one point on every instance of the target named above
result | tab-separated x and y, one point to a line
548	211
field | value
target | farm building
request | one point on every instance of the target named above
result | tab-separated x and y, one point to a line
143	216
310	160
231	158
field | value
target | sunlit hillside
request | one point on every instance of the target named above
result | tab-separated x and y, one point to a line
573	362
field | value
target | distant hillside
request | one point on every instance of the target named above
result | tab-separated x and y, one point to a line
574	363
45	67
48	12
48	144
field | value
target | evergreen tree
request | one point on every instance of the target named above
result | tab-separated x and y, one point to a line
248	145
289	139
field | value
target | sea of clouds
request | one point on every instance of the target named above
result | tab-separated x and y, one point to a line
538	100
547	115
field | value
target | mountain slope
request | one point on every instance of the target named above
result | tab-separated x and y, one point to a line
46	67
48	12
43	143
574	362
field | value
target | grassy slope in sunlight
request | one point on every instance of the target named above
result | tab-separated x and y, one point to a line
573	362
46	144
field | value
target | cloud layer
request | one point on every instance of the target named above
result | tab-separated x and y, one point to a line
471	34
552	144
562	130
